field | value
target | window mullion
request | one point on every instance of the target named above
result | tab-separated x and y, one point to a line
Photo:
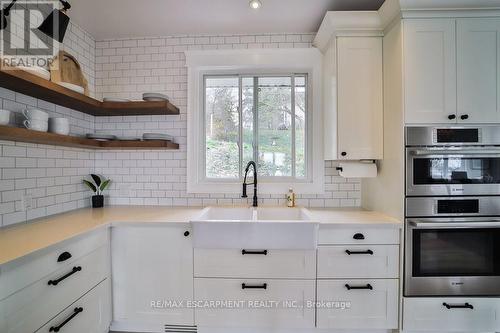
255	119
240	126
293	126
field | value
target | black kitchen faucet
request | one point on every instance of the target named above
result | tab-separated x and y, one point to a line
244	195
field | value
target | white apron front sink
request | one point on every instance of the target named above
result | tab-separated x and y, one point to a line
250	228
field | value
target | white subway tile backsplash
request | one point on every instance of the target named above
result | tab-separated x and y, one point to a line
12	218
172	78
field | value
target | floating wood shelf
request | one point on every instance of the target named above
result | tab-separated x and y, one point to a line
34	86
25	135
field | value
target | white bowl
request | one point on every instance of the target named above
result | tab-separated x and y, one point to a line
4	117
59	126
36	114
36	125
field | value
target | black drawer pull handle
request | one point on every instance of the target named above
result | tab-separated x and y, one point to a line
349	252
64	256
76	311
464	306
367	287
246	286
358	236
73	271
264	252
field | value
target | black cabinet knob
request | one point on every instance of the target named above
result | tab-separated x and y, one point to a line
343	153
452	116
64	256
186	233
464	117
358	236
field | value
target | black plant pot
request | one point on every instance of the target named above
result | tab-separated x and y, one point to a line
97	201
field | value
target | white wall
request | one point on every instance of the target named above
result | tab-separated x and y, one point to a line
385	193
127	68
49	175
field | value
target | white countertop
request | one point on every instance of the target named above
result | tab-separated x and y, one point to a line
352	216
20	240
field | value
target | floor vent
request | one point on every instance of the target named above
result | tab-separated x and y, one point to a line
180	329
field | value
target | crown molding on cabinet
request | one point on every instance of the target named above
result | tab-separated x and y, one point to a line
348	23
374	23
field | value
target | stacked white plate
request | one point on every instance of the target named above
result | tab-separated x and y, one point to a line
115	100
36	70
101	137
154	97
128	138
72	86
157	136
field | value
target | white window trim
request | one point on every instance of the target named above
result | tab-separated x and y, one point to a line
254	61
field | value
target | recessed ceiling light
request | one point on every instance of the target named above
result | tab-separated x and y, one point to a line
255	4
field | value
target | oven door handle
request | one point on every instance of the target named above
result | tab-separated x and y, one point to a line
478	152
485	224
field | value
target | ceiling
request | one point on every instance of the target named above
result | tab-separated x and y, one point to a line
107	19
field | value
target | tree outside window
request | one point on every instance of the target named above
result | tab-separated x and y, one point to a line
260	118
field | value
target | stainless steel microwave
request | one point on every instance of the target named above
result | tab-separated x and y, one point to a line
452	161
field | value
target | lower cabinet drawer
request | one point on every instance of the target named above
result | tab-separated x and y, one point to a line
25	271
332	235
89	314
451	314
30	308
358	261
357	304
234	263
259	303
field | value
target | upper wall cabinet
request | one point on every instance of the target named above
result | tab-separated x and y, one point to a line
360	105
353	99
478	59
451	71
430	71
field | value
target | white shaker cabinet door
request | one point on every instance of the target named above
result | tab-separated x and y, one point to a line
356	304
360	98
151	265
478	74
430	71
440	314
266	304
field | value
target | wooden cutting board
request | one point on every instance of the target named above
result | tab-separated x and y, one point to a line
65	68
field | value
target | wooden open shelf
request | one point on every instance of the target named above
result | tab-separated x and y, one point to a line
25	135
34	86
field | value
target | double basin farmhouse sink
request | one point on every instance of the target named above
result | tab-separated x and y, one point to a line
255	228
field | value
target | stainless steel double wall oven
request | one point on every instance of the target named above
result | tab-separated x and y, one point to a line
452	211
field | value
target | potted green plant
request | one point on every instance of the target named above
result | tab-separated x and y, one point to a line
97	186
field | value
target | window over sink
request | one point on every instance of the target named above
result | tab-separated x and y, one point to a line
256	117
255	105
